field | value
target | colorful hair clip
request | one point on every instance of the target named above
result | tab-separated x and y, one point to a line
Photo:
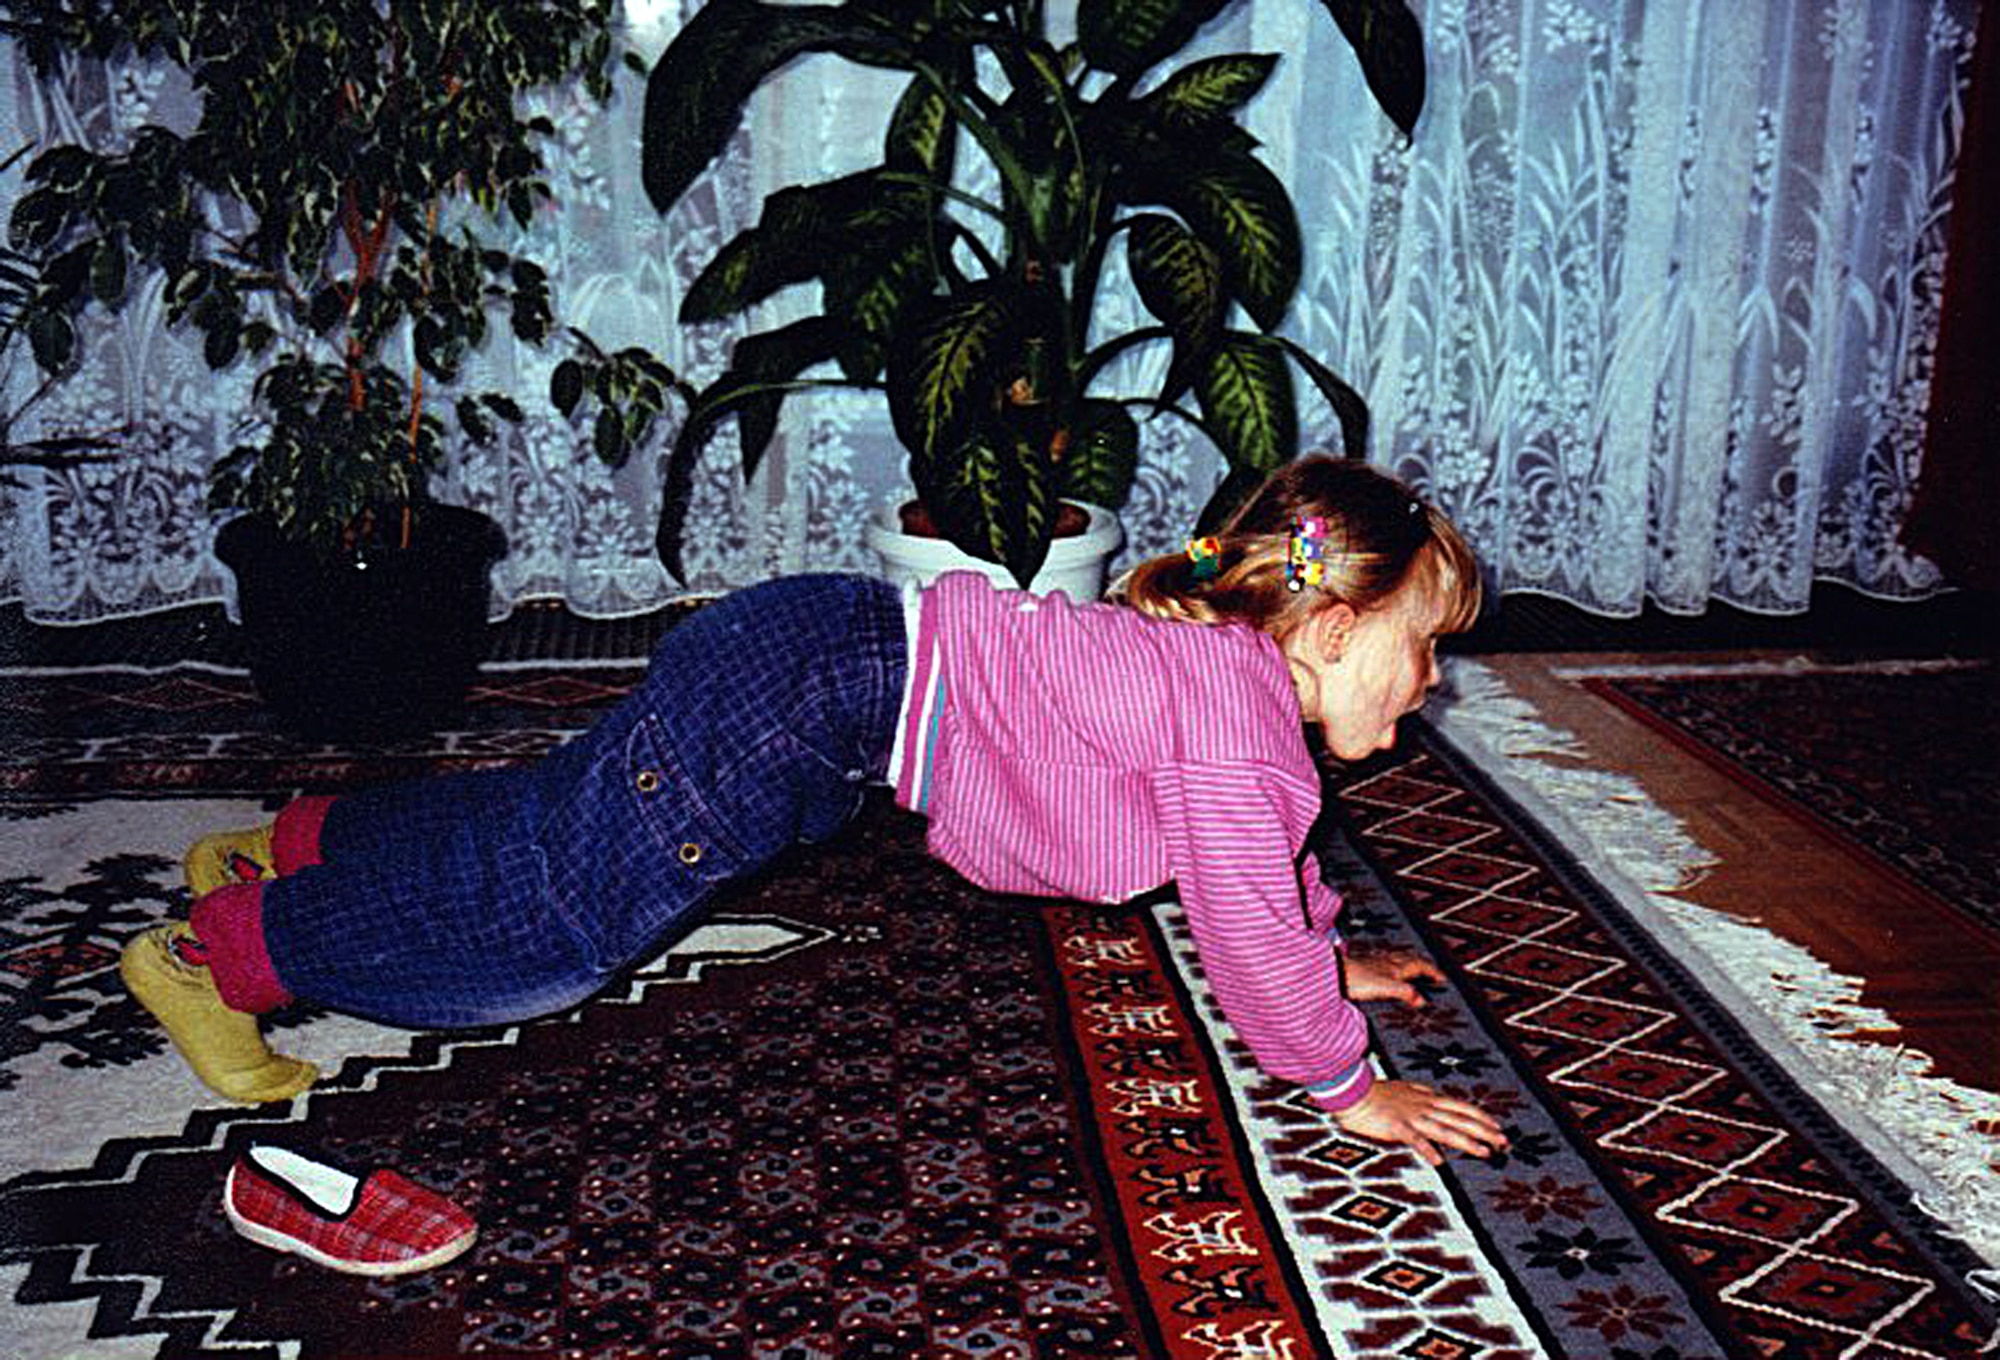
1206	554
1305	558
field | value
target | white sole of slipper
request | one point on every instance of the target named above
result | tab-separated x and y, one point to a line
277	1241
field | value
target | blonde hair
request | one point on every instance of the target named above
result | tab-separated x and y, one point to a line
1379	537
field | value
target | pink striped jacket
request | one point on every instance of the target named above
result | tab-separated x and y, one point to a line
1089	751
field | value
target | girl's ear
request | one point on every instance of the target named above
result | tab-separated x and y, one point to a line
1330	630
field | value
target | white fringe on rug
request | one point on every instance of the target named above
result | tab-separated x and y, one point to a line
1925	1128
1791	665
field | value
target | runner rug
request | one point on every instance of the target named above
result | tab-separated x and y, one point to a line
1896	757
868	1110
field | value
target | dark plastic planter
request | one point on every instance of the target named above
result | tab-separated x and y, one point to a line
380	644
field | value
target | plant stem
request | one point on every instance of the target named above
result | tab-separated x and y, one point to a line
1083	289
974	121
955	194
417	369
1094	362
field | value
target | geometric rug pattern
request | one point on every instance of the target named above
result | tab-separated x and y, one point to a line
867	1109
1901	760
1711	1145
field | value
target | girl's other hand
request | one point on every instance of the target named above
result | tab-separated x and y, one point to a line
1389	976
1411	1113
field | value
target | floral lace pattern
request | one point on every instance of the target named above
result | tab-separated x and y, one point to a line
1649	307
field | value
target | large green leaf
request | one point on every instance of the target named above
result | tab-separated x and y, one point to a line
996	500
52	339
1128	37
918	17
1390	46
697	90
923	136
869	295
1239	210
1101	457
1247	402
1044	172
1204	91
806	232
1180	281
1349	407
779	251
761	370
876	201
942	374
764	363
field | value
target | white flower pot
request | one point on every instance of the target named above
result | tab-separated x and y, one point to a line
1075	564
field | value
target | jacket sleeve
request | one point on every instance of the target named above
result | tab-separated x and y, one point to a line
1235	835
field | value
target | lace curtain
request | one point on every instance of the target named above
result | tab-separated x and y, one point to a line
1652	303
1649	304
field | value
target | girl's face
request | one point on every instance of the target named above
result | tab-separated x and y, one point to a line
1357	674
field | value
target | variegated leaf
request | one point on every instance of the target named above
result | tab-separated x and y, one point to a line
1240	210
923	136
770	359
1390	46
803	230
869	295
997	500
696	91
936	379
1130	36
751	390
1207	90
1247	402
1101	455
782	249
1180	281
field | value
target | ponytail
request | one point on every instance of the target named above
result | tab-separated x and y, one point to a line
1378	537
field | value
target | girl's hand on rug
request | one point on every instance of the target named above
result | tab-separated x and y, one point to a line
1389	976
1411	1113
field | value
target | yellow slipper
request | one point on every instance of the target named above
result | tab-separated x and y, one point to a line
225	1047
229	857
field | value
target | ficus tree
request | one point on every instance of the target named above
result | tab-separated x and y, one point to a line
335	220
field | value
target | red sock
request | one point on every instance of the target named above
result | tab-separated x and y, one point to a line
229	928
295	835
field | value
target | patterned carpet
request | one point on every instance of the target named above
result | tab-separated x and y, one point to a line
1899	758
867	1110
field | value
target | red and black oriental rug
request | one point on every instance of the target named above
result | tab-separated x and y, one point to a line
869	1110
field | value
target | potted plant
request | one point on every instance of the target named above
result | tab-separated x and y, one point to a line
961	275
19	276
18	273
332	221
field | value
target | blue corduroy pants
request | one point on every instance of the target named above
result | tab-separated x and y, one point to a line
491	897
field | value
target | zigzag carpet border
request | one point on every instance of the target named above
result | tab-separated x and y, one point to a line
1924	1127
370	1054
357	1055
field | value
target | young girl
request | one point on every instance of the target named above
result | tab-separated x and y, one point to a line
1093	751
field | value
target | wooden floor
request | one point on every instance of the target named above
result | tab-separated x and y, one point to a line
1934	973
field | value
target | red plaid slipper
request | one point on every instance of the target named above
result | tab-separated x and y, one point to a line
383	1224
